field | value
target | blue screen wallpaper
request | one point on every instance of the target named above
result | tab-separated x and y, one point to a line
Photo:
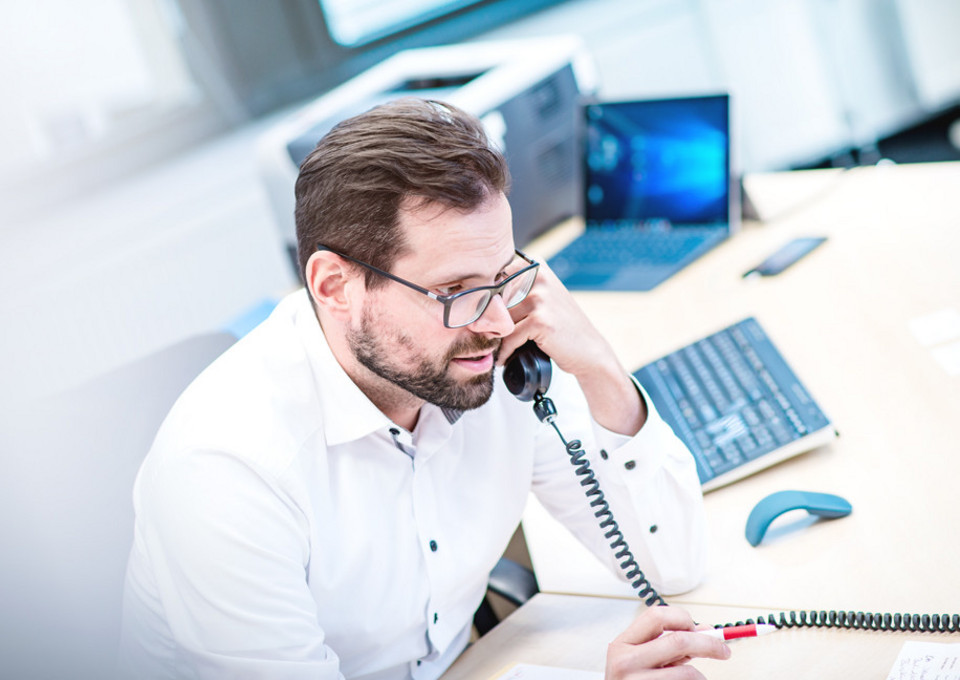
655	160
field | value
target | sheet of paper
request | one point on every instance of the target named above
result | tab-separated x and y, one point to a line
940	326
948	356
927	661
526	671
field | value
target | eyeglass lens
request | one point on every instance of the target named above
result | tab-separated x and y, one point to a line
467	308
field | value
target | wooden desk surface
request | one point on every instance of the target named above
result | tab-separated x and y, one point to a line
840	317
569	631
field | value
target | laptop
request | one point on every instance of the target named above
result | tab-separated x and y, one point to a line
658	191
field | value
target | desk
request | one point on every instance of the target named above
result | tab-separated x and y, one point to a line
570	631
840	317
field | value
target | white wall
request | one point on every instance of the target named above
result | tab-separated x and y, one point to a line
188	245
180	249
808	78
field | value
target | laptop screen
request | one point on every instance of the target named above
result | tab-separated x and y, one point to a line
650	161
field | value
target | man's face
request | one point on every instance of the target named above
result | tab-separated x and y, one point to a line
401	337
427	377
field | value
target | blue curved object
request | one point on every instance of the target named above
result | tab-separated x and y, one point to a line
822	504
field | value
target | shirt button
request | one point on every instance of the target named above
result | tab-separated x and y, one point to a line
435	617
433	546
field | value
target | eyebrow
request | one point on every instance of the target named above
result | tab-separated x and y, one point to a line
478	276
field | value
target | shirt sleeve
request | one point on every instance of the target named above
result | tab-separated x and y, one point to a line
228	555
649	481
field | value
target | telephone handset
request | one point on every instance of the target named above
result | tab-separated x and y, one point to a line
528	371
527	376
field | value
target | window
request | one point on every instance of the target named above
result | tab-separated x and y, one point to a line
76	73
355	22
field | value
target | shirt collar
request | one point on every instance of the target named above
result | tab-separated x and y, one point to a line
451	414
348	414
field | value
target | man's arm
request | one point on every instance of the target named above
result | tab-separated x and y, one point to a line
649	481
613	398
216	583
647	474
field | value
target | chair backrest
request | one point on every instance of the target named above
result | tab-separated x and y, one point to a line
66	515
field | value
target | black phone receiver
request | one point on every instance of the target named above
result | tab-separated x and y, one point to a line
527	372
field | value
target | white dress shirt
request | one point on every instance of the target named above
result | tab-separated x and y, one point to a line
286	528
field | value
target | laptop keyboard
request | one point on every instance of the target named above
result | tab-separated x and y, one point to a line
619	246
733	400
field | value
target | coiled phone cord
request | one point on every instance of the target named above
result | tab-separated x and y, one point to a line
546	412
912	623
904	623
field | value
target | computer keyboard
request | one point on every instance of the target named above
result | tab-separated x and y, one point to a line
618	246
631	258
732	398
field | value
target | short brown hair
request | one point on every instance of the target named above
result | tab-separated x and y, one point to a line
353	184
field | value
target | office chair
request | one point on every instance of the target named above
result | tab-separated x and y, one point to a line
66	518
513	582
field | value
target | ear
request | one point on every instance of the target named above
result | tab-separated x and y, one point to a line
331	283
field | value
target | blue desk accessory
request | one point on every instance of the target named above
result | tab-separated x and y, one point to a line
820	504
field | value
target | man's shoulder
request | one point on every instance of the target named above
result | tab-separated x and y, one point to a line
257	401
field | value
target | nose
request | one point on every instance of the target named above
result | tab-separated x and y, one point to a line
495	320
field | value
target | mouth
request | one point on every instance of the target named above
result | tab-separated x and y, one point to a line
480	363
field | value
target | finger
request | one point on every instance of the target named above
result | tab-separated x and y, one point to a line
546	273
678	647
531	306
686	673
547	293
509	345
653	622
558	326
624	666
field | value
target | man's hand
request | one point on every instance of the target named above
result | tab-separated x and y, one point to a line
552	318
658	644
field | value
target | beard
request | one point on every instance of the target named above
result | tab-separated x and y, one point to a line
428	380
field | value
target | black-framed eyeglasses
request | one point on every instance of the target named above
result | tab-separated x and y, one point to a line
463	308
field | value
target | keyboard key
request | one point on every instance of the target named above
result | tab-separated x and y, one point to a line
749	447
780	431
714	458
728	427
731	453
703	439
795	420
689	414
724	374
767	411
751	416
763	437
782	400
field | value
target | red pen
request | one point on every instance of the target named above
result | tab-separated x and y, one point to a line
734	632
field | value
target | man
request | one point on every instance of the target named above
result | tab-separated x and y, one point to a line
327	499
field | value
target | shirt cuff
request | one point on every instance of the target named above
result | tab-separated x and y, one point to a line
654	439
